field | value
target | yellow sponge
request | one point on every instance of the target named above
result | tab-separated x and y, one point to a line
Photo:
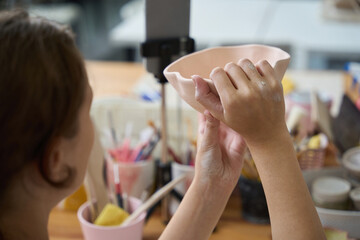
334	234
111	215
315	142
75	200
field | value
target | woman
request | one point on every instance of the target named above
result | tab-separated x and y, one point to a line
47	135
44	122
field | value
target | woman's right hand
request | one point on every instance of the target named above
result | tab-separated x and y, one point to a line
250	99
251	102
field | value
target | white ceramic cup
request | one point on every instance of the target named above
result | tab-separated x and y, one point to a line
176	171
351	162
355	197
331	192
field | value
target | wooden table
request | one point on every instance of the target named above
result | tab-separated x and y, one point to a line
63	225
113	78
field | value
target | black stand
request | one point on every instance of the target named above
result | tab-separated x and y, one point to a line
161	52
164	50
162	177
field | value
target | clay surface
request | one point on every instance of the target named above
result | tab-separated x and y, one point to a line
203	62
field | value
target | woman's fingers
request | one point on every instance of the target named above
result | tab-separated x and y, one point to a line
207	98
237	147
222	83
201	129
249	69
237	76
211	132
266	70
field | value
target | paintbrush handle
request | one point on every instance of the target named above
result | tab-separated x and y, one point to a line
153	199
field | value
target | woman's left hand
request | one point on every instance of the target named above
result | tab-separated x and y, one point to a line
220	153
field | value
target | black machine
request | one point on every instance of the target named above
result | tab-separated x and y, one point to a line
167	38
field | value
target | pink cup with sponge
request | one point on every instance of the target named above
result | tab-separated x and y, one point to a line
132	231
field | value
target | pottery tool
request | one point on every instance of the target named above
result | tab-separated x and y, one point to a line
118	191
145	137
89	196
94	176
145	153
295	117
125	147
164	152
320	115
112	129
158	195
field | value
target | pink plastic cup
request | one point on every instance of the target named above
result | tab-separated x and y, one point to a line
133	231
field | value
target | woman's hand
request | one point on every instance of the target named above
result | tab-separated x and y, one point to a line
217	169
251	102
220	153
250	99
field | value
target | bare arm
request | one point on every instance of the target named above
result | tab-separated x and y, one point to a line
251	102
290	206
198	213
217	169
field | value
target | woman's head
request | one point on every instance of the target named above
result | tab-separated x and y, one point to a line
43	88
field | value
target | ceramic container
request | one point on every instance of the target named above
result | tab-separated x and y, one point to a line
351	162
331	192
203	62
345	220
133	231
355	197
176	171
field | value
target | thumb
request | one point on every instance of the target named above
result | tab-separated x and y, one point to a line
207	98
210	138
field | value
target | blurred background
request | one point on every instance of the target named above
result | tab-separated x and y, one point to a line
319	34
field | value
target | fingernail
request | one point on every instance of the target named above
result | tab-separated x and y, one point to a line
215	71
194	80
196	86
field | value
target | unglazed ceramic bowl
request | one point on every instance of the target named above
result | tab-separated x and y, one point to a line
203	62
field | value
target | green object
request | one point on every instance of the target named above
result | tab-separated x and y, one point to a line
334	234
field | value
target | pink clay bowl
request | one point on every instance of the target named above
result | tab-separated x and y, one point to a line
203	62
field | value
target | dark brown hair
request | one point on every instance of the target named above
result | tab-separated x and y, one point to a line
42	85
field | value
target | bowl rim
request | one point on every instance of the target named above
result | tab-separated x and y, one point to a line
344	213
286	56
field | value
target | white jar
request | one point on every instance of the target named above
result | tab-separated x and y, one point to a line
355	197
331	192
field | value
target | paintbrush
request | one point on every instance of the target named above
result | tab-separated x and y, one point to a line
153	199
94	179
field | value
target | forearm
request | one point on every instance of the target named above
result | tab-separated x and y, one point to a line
198	213
292	212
